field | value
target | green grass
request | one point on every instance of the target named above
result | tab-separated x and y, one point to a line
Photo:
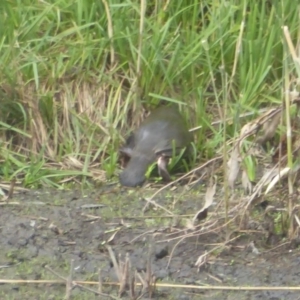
75	77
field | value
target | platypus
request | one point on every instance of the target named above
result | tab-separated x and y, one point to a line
155	139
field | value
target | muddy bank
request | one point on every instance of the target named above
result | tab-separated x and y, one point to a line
50	227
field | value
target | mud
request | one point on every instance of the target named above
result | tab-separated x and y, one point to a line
51	228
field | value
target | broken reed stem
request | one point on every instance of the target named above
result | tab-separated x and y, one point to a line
289	149
69	281
11	189
149	276
225	154
141	30
115	263
99	281
136	82
291	47
125	267
132	284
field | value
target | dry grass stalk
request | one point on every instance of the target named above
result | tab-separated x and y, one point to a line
132	285
147	279
127	280
100	281
124	268
203	166
69	281
115	263
10	193
164	285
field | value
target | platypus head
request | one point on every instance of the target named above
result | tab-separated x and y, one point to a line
134	173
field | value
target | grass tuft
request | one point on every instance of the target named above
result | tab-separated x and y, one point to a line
77	76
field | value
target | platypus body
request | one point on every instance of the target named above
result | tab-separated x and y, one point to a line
155	139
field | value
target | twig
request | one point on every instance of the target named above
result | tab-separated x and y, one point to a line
150	200
132	285
124	275
115	263
96	292
197	234
100	281
11	190
156	205
55	273
69	281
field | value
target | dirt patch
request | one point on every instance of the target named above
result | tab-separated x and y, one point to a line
51	227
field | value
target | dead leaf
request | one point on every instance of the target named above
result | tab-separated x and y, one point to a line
55	229
202	259
113	236
246	183
265	180
209	197
269	129
281	174
248	129
233	167
253	248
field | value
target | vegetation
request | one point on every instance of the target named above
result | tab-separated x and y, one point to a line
76	76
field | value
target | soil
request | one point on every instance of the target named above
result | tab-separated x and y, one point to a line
48	229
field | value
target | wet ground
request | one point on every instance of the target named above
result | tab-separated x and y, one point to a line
51	228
